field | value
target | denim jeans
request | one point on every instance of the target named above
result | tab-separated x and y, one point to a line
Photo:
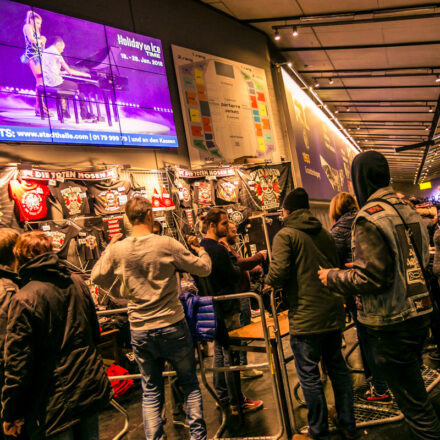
308	351
87	428
245	319
398	354
152	348
227	385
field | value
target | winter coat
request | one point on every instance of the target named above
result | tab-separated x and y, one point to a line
341	232
298	250
8	287
200	315
53	375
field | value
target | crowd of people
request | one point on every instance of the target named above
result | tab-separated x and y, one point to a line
373	264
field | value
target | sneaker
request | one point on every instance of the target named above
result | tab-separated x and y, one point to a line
372	396
250	374
345	433
248	406
180	419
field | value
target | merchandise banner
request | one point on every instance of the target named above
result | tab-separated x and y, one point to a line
265	187
197	174
61	175
225	107
324	155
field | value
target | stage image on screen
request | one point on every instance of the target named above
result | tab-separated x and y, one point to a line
66	80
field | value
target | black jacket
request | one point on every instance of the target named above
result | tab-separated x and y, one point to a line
298	250
8	287
53	374
341	232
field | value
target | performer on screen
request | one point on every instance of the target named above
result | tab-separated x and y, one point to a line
35	43
53	67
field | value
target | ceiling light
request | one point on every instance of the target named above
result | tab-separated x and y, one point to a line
330	81
316	83
295	31
348	109
290	64
336	110
431	109
426	128
358	128
437	79
277	35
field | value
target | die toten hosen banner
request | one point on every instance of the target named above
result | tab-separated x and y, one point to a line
226	108
324	154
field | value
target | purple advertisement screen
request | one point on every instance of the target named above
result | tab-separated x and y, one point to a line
66	80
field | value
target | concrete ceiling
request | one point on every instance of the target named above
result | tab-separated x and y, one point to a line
382	57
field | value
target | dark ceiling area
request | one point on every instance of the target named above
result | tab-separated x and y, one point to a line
374	63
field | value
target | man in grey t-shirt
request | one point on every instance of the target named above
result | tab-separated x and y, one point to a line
147	266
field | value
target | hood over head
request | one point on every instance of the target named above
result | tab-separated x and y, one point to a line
304	220
369	173
45	267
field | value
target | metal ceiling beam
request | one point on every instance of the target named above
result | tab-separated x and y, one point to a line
380	100
359	46
359	75
386	113
384	69
383	121
430	86
384	106
430	137
346	15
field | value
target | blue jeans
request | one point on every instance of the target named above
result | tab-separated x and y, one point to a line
308	351
152	348
245	319
87	428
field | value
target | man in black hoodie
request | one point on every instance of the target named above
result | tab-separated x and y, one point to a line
55	382
390	245
8	287
316	317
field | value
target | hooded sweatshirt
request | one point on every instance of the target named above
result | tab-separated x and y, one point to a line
299	248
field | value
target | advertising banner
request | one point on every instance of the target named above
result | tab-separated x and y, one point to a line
66	80
225	107
324	155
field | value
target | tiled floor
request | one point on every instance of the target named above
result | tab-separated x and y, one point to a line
261	423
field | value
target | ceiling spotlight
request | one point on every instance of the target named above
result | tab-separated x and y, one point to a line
431	109
290	64
437	78
316	83
358	128
426	128
295	31
348	109
336	110
330	81
277	35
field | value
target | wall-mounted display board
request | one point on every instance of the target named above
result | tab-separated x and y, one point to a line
65	80
225	107
323	154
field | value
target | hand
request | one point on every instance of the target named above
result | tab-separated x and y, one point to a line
193	243
13	429
116	238
264	253
322	273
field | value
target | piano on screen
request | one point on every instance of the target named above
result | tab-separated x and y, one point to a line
104	80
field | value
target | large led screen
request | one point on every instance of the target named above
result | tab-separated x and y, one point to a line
65	80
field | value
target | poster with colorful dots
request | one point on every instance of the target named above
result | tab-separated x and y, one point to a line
226	108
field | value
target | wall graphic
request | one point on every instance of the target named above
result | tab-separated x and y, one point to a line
226	108
324	154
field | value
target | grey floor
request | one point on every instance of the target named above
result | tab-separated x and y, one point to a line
261	423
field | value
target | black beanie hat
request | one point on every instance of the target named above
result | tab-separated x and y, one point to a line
296	199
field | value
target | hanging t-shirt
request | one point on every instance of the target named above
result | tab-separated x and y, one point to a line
109	198
238	214
204	193
6	203
72	197
227	190
138	192
184	193
61	235
113	225
90	243
30	197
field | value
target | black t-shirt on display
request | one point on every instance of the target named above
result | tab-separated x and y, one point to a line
73	198
61	236
90	243
109	198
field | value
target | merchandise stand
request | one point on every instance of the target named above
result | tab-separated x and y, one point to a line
366	414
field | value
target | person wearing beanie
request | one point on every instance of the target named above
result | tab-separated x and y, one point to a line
316	316
387	274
